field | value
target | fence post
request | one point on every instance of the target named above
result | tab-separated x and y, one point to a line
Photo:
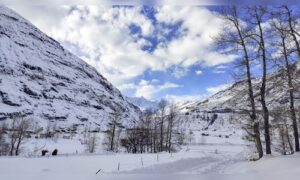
98	171
142	162
157	158
119	166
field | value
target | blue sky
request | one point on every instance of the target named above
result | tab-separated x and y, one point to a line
155	52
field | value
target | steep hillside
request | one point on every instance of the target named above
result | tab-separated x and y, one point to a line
235	98
45	82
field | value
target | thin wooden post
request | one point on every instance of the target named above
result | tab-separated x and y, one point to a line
142	161
98	171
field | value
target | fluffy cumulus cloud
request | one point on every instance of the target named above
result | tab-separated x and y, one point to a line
148	89
178	99
113	40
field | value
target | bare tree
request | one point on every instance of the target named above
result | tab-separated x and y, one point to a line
92	142
258	14
280	116
236	36
172	119
4	146
162	115
113	126
285	54
18	129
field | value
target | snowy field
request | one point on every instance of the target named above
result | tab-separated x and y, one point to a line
218	154
190	160
197	161
226	158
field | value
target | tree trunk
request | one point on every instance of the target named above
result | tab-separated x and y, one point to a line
161	133
263	85
112	138
252	103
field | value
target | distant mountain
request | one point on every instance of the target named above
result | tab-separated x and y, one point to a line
143	103
43	81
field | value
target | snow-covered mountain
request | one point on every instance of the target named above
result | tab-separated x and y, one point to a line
235	98
143	103
44	81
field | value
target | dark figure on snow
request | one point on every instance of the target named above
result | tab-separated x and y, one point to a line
54	153
44	152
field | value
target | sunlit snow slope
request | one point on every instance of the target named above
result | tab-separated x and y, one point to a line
42	80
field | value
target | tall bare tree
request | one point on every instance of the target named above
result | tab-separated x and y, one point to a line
113	125
162	115
236	35
172	119
282	30
257	18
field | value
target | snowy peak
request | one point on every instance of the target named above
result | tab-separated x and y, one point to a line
143	103
40	79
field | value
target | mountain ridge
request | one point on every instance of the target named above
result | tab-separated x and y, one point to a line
38	77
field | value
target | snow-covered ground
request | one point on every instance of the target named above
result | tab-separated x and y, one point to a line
206	157
193	159
200	161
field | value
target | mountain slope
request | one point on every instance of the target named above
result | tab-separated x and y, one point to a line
235	98
42	80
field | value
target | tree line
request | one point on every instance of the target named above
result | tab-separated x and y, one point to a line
156	131
268	37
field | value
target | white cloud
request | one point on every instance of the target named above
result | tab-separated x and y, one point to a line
148	90
179	72
220	69
199	72
125	87
102	34
216	89
180	99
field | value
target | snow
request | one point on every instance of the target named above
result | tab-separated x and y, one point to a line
192	160
199	161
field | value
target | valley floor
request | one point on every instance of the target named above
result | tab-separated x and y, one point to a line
208	161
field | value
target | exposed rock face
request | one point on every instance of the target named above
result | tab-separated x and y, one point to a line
40	79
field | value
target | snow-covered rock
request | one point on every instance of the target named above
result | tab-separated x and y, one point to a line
44	81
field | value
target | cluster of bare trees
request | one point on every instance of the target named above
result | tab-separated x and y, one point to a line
264	36
12	136
114	130
156	132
